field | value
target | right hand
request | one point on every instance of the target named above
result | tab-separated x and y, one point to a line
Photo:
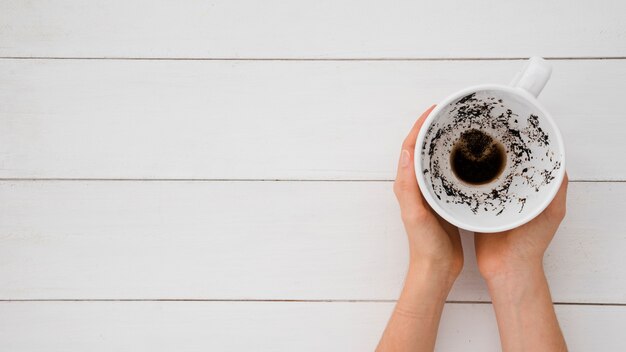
434	244
520	250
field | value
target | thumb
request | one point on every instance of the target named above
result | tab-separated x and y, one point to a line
405	187
407	190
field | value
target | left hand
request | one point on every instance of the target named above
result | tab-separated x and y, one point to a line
434	244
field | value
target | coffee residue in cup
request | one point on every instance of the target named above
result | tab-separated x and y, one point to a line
477	112
477	158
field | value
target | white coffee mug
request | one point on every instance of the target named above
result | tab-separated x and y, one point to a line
535	156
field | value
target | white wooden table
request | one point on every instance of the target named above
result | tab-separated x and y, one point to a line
216	175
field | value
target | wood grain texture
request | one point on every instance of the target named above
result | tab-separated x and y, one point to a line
269	119
315	29
262	240
268	326
341	244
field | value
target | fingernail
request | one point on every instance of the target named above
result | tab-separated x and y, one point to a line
405	158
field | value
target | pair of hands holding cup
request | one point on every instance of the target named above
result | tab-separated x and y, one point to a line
436	241
509	261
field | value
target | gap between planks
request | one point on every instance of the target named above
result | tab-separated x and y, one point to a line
279	301
55	179
121	58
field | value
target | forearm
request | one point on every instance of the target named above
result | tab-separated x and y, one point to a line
415	319
524	311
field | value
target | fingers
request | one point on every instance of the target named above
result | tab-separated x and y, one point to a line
557	207
405	186
409	141
406	189
561	195
453	233
448	227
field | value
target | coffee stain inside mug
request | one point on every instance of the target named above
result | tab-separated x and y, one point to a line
477	158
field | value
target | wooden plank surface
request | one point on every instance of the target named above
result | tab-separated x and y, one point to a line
262	240
100	263
317	29
268	326
269	119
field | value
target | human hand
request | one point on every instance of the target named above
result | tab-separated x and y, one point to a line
520	250
512	264
434	244
436	259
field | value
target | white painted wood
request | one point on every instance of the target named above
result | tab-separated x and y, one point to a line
313	120
262	240
269	119
268	326
319	29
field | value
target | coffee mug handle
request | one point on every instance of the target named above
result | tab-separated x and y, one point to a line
533	76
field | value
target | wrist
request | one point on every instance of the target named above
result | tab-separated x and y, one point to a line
438	274
508	266
513	277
